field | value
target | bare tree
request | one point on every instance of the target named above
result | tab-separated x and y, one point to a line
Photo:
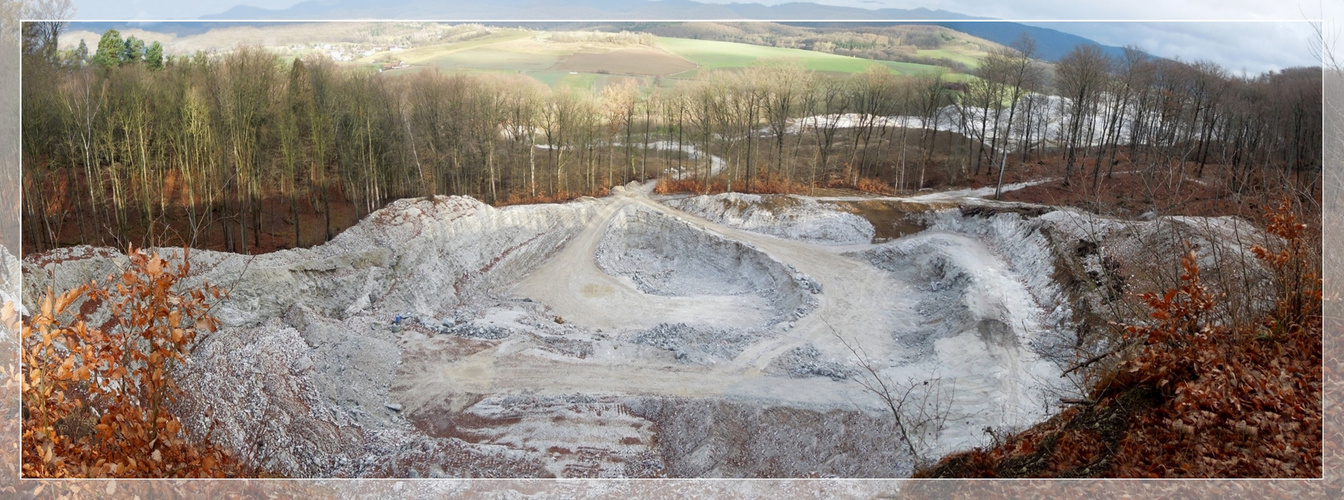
933	96
786	81
831	105
40	36
1080	76
1023	76
919	408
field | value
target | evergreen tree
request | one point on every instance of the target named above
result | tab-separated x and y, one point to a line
154	55
81	53
133	51
110	48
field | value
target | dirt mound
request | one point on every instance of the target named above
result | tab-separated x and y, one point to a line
982	330
706	438
807	361
698	345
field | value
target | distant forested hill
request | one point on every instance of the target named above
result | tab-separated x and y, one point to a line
1051	44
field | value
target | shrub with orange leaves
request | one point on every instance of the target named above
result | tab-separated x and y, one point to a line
849	177
1295	264
1239	400
1180	340
97	400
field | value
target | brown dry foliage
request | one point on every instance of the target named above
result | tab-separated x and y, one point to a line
850	178
97	400
775	184
668	185
1195	398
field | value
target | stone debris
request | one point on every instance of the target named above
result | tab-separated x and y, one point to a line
805	361
698	345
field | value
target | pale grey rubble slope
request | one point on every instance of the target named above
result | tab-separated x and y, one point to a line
11	279
620	337
423	256
786	216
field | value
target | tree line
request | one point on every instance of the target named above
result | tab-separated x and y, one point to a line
1155	114
126	139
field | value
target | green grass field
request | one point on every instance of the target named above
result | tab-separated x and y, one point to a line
971	60
536	56
720	55
581	81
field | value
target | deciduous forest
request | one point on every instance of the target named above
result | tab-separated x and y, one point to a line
122	144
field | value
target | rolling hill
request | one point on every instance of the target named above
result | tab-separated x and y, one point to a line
1052	44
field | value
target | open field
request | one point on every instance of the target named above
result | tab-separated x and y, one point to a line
627	61
971	58
504	49
719	55
570	59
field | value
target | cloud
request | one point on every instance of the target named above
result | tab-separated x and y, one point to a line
1242	46
164	9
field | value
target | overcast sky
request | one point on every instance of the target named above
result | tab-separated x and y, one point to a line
1254	45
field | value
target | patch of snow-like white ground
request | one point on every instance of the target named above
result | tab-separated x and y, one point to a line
956	194
693	154
1054	110
989	316
624	337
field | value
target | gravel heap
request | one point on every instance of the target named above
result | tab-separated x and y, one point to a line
805	361
698	345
